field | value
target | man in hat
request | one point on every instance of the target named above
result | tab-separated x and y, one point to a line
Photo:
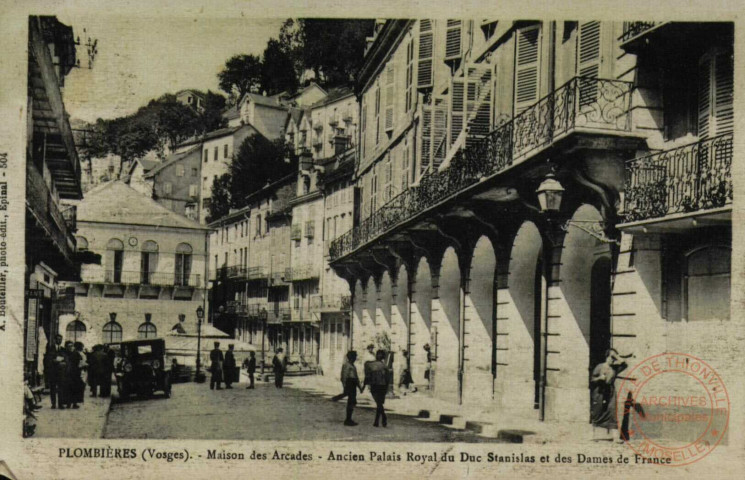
216	365
229	367
251	368
350	382
54	367
279	364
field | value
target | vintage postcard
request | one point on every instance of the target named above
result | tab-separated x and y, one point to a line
274	240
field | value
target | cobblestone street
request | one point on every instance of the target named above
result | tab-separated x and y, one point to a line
265	413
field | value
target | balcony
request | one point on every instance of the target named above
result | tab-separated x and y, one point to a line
58	226
592	106
310	229
306	271
330	303
296	232
694	180
137	277
631	30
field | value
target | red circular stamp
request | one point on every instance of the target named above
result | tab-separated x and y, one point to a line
672	409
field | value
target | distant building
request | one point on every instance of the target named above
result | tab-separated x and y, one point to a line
52	177
250	251
266	114
136	175
151	274
175	182
191	98
217	150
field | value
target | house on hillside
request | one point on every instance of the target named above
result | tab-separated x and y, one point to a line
192	98
175	182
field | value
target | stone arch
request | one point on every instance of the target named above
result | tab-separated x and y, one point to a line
385	300
583	322
478	323
518	339
421	319
400	312
370	314
358	307
447	321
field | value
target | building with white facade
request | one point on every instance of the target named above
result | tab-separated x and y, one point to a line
152	270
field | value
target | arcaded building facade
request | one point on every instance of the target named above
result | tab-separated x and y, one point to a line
532	194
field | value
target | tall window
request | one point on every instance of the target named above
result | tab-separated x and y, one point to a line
715	89
225	152
75	331
112	332
206	155
147	330
148	262
183	264
706	284
258	225
114	260
216	153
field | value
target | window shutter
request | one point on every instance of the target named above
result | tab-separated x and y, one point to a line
409	76
457	107
389	98
588	61
426	46
439	131
478	101
715	90
723	93
426	145
527	67
453	39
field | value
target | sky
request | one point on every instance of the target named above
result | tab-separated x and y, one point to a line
140	58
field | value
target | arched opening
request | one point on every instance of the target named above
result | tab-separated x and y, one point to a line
519	320
371	311
114	260
478	324
112	332
148	262
400	312
75	331
358	327
421	319
447	337
147	330
182	268
583	321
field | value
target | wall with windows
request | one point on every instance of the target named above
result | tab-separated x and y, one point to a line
333	121
177	185
158	271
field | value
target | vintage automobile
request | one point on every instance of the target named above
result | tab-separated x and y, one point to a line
140	368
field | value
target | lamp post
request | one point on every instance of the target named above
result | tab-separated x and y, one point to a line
263	316
200	316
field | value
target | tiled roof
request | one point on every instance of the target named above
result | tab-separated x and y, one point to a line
173	158
117	202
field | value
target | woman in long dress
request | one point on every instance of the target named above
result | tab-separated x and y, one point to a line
603	390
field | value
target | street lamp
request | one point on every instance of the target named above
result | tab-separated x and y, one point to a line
200	316
263	316
549	194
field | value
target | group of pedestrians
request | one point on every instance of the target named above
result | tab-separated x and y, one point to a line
66	368
223	368
377	378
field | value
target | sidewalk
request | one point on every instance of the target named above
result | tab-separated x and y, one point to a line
86	422
486	422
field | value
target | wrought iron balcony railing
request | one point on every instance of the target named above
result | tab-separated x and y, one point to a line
634	29
583	103
690	178
302	272
310	228
330	303
296	232
139	277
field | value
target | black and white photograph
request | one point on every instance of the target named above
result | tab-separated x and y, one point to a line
460	247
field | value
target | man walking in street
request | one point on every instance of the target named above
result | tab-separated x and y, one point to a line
54	369
376	376
279	363
108	369
229	367
350	382
251	369
96	365
216	364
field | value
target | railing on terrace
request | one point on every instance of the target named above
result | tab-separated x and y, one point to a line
582	103
633	29
332	302
46	208
70	214
690	178
160	279
302	272
296	232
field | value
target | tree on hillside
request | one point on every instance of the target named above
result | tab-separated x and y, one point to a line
332	48
277	70
220	203
211	117
241	74
259	161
